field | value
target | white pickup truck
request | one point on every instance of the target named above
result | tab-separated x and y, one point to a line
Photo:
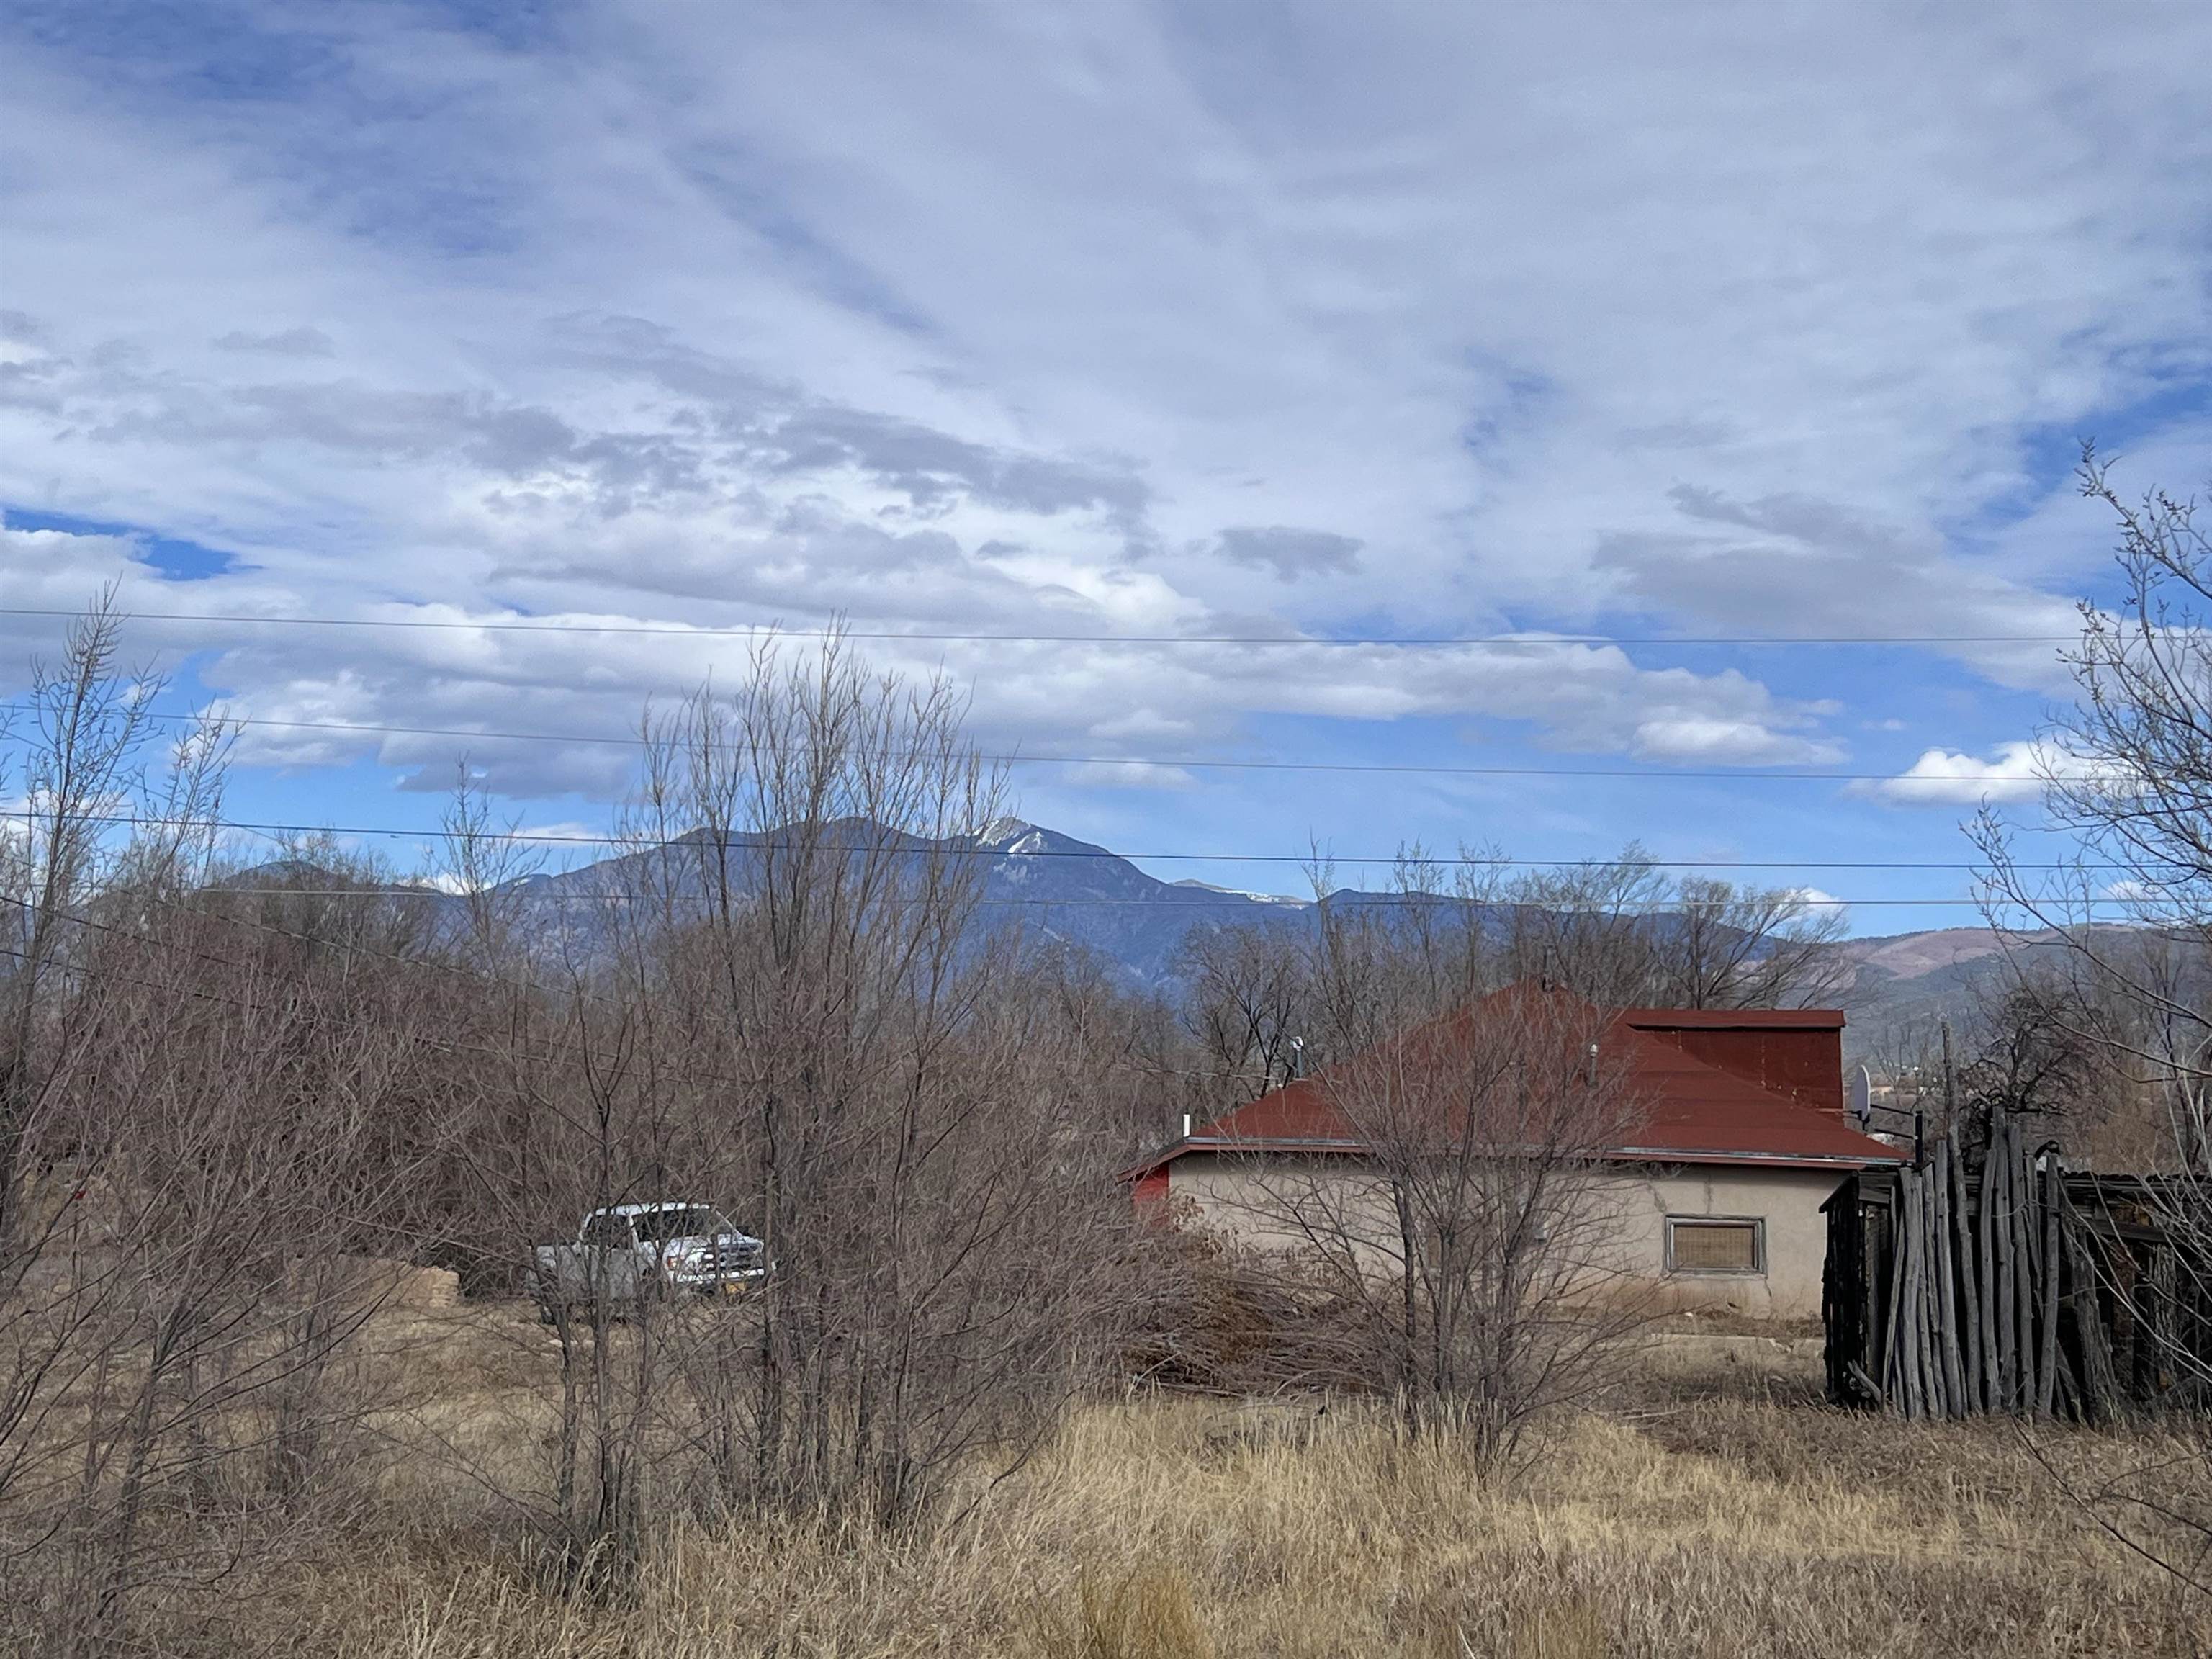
627	1252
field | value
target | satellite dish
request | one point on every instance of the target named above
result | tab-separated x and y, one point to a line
1858	1090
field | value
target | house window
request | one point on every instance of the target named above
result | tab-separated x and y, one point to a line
1715	1244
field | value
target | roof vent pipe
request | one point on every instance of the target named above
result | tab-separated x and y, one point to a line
1186	1125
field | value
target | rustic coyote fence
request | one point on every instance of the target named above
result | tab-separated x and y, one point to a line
1953	1289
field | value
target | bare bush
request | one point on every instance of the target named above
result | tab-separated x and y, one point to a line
1473	1242
204	1193
938	1222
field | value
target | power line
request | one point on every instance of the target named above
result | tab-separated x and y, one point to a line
742	839
765	631
1203	762
1217	901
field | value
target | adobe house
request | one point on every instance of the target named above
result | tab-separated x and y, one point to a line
1733	1134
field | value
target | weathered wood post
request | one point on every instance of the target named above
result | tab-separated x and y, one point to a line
1907	1322
1940	1188
1931	1299
1970	1323
1996	1211
2024	1246
2047	1377
2099	1387
1987	1292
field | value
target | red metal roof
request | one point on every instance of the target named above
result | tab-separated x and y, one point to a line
1691	1111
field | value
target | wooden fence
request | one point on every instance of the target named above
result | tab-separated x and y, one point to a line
2005	1283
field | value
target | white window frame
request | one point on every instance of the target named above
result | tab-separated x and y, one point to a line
1756	1223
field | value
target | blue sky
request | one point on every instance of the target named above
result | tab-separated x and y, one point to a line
1301	322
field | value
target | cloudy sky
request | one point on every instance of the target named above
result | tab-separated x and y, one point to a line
1689	329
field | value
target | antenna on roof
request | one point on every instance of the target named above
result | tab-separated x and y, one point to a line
1858	1089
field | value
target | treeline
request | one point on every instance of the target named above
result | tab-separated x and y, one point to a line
1263	1002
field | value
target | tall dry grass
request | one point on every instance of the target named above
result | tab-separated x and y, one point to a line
1717	1510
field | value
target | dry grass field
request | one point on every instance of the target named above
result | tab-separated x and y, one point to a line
1716	1507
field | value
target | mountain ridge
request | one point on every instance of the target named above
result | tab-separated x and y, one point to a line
1089	897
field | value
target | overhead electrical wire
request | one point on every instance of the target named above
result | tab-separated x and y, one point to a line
1185	900
740	838
1201	762
1217	900
767	631
763	631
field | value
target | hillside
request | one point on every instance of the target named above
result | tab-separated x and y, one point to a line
1089	897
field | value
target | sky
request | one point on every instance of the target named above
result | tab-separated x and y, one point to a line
1697	330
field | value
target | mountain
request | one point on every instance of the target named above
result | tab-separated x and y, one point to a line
1084	896
1049	883
1904	985
1087	897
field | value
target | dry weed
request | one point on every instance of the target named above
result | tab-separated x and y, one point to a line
1703	1522
1147	1613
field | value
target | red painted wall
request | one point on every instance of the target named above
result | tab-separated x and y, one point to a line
1808	1066
1149	1192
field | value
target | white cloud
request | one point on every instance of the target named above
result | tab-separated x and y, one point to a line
2014	772
1728	743
1068	322
1098	700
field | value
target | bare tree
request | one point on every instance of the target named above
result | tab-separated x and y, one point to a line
1728	946
1621	933
239	1215
489	869
2041	1055
937	1219
1128	1063
1473	1239
83	777
205	1188
1249	1000
1425	943
2129	773
1587	928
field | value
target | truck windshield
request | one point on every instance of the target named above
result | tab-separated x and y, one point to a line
657	1226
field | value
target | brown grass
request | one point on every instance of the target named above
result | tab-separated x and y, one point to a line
1716	1509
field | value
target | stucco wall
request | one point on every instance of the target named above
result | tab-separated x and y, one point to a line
1788	1200
1249	1197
